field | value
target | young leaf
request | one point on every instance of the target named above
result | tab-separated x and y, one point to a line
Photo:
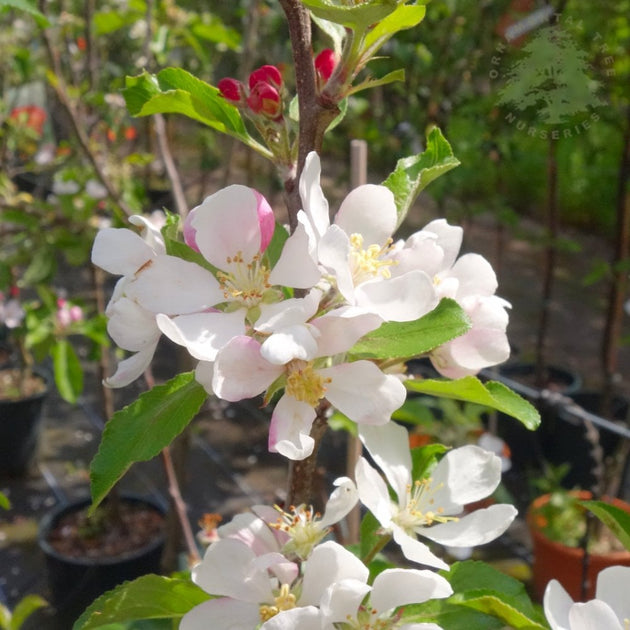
141	430
616	519
357	16
404	17
67	370
413	174
409	339
29	7
24	609
491	394
148	597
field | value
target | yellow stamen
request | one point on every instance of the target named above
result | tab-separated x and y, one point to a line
245	282
304	383
368	263
285	600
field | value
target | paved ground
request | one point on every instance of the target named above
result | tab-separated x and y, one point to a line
228	467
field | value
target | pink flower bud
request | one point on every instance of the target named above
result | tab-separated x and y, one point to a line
231	89
264	99
325	64
266	74
76	313
190	234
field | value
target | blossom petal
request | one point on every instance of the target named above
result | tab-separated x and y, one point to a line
294	342
341	501
133	367
304	618
278	315
476	528
222	613
333	253
204	374
151	230
612	588
241	372
593	615
329	563
290	427
203	334
190	287
342	599
314	202
373	492
130	326
399	299
557	603
449	239
342	327
475	275
227	223
370	211
296	266
379	396
120	251
398	587
417	551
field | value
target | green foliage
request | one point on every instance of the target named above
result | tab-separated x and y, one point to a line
22	611
616	519
67	370
492	394
150	597
141	430
5	504
409	339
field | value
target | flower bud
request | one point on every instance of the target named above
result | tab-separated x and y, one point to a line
231	89
264	99
325	64
266	74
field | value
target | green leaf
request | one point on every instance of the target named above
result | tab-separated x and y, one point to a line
5	617
108	22
413	174
491	394
423	459
29	7
449	616
409	339
24	609
404	17
148	597
68	371
5	504
616	519
357	16
391	77
141	430
369	533
274	249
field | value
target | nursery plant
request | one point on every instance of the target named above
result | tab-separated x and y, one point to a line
318	316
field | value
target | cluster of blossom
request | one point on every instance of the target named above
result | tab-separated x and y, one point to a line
67	313
231	310
11	311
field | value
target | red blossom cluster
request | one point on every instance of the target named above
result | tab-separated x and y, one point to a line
31	116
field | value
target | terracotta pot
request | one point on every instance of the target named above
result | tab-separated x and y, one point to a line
553	560
75	582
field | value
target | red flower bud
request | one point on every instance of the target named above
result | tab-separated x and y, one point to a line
231	89
266	74
31	116
325	64
264	99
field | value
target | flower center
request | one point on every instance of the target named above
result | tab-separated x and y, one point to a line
367	263
419	509
304	383
246	282
302	524
285	600
368	619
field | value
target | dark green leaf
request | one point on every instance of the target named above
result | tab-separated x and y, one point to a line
491	394
357	16
409	339
141	430
413	174
68	371
148	597
616	519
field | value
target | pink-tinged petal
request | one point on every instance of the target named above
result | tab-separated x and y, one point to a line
120	251
229	568
130	326
341	501
341	600
293	342
341	328
417	551
241	372
449	239
314	203
174	286
304	618
595	615
204	373
221	614
190	234
399	587
475	275
252	530
557	604
388	445
400	299
131	368
370	211
374	401
266	220
612	588
329	563
296	266
373	492
227	223
334	255
476	528
290	427
203	334
420	252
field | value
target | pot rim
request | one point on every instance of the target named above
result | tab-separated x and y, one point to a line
50	519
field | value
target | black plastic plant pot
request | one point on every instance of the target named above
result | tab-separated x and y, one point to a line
555	378
20	422
75	582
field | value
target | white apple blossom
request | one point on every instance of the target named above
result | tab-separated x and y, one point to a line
432	507
610	609
11	312
355	251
